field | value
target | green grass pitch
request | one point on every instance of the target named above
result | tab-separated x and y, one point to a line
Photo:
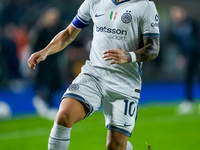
157	128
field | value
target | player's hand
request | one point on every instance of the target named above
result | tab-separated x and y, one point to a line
118	56
35	58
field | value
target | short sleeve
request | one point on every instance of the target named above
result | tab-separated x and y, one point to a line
83	17
150	21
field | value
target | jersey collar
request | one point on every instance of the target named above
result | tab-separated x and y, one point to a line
119	2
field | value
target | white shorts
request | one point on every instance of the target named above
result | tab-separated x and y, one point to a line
120	111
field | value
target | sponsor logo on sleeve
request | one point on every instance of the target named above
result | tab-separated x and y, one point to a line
155	24
156	17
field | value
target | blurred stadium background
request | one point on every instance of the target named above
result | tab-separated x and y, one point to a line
158	126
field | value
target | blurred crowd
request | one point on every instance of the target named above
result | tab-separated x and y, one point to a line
27	26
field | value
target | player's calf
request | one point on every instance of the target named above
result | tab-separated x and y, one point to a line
116	140
59	138
115	146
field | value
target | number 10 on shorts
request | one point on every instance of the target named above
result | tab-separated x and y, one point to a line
128	108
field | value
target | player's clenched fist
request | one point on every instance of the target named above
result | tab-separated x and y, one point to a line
35	58
118	56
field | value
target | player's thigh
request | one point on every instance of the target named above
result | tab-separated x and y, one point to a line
82	96
70	112
116	140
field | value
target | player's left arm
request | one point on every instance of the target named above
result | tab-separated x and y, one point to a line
149	52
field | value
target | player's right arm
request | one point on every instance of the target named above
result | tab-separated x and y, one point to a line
58	43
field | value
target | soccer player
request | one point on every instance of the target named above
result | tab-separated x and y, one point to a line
125	34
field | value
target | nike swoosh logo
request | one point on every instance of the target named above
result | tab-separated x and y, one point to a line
127	125
99	15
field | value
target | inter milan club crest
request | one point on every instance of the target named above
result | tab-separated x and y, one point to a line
113	15
73	87
126	17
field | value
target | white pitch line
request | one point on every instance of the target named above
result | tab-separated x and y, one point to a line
23	134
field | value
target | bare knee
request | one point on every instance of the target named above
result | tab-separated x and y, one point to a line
70	112
64	118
